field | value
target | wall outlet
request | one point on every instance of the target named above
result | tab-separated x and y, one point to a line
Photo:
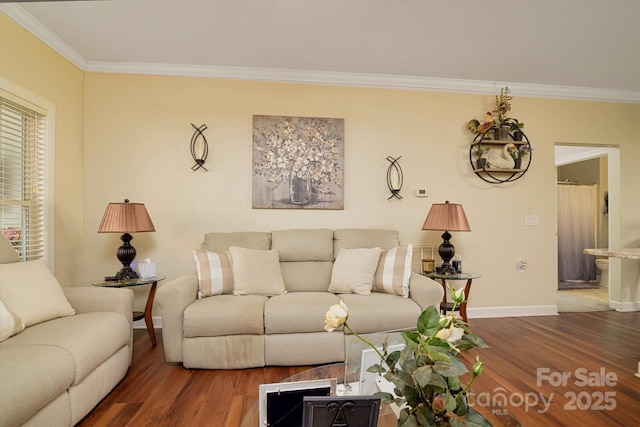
521	266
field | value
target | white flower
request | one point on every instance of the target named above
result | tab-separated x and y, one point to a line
457	295
451	334
336	316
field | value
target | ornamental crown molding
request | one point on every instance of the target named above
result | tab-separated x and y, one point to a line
22	17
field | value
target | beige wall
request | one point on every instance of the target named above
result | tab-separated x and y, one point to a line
137	147
32	66
135	144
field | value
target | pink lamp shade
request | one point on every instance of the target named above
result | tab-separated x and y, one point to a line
446	217
125	218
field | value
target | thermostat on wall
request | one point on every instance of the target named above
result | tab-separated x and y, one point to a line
422	192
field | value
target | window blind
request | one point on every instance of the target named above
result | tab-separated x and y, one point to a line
22	172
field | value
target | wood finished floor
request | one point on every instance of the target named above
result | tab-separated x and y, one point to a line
155	393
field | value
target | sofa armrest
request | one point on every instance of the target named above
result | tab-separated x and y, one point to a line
425	291
173	298
91	299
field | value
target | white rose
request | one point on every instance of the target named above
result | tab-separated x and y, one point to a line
336	316
458	295
452	334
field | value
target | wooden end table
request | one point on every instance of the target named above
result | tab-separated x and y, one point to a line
446	305
138	315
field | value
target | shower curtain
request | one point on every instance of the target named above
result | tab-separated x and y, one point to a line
576	231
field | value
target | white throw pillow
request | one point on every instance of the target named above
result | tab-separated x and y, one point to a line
353	271
215	273
394	271
32	292
10	323
256	272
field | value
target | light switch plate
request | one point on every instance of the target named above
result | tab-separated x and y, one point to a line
531	220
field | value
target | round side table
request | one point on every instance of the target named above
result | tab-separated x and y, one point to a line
137	315
446	305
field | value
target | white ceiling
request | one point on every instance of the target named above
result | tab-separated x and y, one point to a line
584	49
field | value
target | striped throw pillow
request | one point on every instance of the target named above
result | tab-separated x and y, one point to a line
394	270
215	274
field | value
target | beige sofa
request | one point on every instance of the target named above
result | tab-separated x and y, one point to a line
258	328
63	349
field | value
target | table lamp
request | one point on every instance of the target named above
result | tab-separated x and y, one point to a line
125	218
446	217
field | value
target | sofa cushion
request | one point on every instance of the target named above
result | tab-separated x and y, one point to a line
89	338
353	270
380	312
225	315
30	377
352	238
256	272
216	242
394	271
32	292
306	276
215	273
7	253
297	312
10	323
303	245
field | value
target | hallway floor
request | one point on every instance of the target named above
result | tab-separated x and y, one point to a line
582	300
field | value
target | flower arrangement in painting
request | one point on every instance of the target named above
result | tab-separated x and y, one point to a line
426	373
303	147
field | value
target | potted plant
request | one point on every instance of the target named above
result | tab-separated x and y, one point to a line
479	151
426	372
497	121
515	126
517	153
524	150
501	109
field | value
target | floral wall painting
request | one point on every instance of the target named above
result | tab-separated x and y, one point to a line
298	162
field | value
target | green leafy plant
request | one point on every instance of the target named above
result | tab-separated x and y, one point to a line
498	116
480	151
514	125
426	373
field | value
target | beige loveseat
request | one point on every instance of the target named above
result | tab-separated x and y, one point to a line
265	325
62	349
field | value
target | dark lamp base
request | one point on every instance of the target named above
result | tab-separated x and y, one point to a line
126	254
446	269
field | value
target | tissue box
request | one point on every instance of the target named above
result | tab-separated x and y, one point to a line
147	269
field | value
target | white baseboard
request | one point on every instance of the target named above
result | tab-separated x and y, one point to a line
513	311
625	306
139	324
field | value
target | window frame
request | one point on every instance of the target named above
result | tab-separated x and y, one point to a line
27	99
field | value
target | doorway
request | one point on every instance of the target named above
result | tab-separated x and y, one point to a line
589	169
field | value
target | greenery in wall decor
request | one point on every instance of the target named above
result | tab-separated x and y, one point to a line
498	117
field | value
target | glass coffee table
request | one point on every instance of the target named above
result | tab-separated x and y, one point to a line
497	416
387	417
